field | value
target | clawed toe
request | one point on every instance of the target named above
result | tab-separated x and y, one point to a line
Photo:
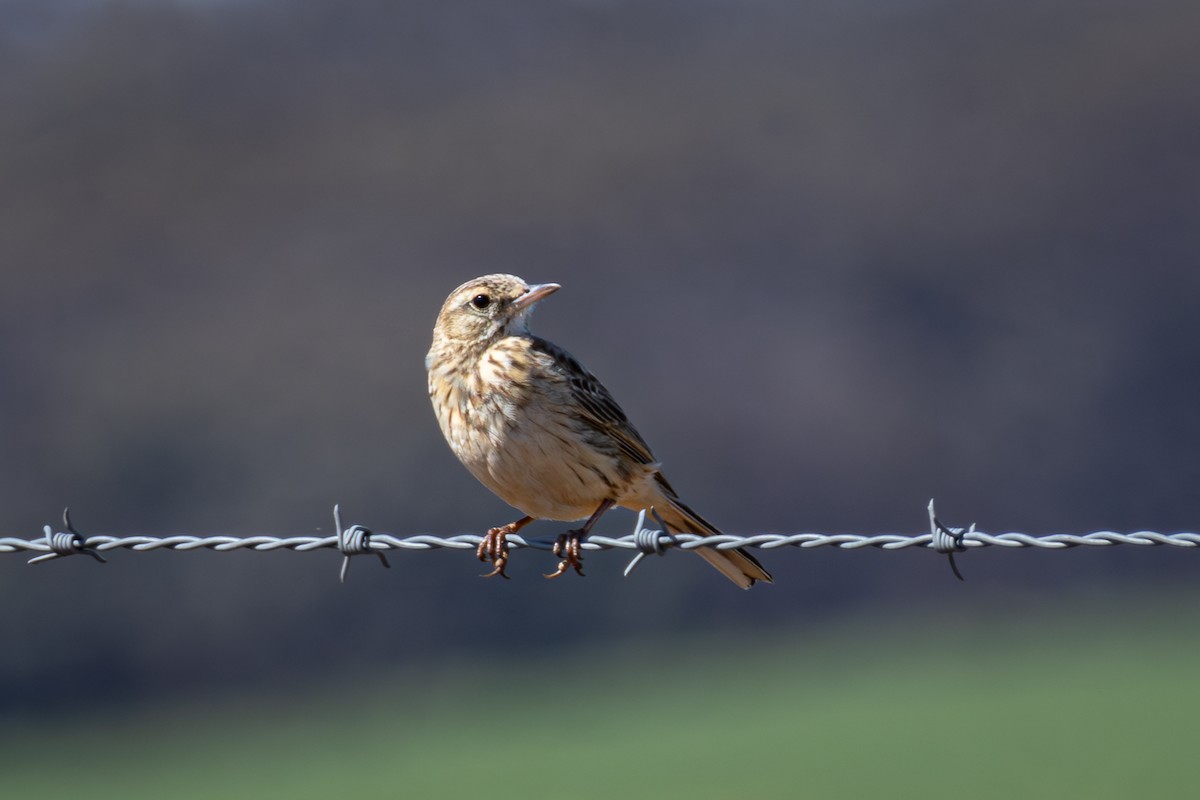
568	548
494	548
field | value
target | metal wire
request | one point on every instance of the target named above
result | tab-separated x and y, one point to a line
358	540
685	541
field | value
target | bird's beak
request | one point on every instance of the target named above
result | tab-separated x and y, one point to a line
538	291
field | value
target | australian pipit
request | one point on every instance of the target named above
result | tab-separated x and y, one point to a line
541	431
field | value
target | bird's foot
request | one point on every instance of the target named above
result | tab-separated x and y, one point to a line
567	547
494	548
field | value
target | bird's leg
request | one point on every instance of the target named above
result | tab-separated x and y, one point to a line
494	546
567	547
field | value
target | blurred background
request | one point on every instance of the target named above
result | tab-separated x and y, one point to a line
833	258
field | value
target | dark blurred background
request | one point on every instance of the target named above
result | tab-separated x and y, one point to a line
833	258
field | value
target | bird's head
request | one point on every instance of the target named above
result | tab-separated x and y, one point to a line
486	309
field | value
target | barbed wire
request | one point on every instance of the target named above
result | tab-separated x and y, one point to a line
359	540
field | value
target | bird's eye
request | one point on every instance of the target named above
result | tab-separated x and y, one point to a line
481	301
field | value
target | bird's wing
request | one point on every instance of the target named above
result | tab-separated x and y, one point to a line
597	408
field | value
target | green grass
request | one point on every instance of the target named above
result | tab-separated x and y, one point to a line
985	711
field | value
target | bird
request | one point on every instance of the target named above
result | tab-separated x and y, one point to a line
543	433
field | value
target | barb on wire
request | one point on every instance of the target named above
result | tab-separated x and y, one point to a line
360	540
66	543
354	541
648	541
948	540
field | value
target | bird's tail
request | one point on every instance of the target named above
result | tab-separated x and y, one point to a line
737	565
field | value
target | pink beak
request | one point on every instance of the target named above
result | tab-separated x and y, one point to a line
538	291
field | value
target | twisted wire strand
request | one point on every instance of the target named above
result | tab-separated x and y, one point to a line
357	540
684	541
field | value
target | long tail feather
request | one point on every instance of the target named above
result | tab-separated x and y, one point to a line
737	565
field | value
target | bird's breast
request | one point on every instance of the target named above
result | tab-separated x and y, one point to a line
514	428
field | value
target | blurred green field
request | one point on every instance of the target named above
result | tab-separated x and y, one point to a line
1047	708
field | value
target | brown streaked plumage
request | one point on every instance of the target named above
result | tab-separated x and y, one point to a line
541	431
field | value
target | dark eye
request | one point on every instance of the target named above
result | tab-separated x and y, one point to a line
481	301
